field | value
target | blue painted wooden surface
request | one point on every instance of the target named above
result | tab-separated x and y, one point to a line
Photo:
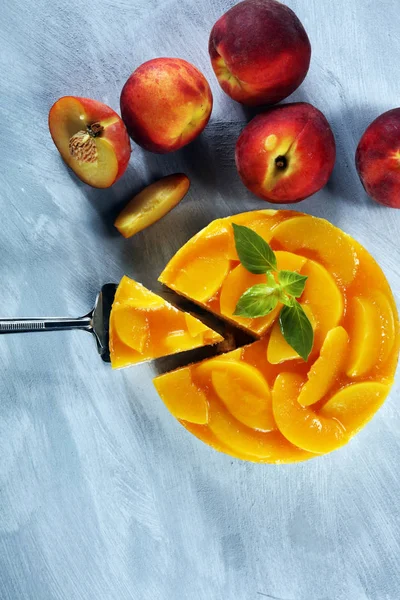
103	495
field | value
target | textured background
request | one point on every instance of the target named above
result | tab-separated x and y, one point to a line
103	495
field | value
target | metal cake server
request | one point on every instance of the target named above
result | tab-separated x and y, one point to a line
96	321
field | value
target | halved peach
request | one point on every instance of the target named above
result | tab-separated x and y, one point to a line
334	247
356	404
278	349
328	366
302	426
182	398
324	298
365	337
243	390
152	203
91	139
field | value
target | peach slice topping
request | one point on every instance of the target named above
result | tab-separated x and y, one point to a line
388	327
300	425
254	445
136	295
324	297
326	368
365	337
278	349
132	327
194	326
243	390
332	245
188	402
356	404
202	277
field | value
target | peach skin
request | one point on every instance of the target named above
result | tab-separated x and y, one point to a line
378	159
287	153
165	104
259	51
91	139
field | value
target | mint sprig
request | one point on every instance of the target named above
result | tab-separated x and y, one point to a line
284	287
254	253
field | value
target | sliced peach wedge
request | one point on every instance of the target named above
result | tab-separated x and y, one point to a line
243	390
324	298
144	326
301	425
334	247
91	138
365	337
278	349
356	404
152	203
188	402
327	368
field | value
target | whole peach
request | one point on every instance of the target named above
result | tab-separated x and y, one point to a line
287	153
378	159
165	104
259	51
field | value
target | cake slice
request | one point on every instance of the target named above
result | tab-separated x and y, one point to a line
144	326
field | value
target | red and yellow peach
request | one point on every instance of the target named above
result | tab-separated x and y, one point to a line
287	153
378	159
165	104
259	51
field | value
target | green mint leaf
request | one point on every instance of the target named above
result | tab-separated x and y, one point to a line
292	283
254	253
271	281
297	329
257	301
284	298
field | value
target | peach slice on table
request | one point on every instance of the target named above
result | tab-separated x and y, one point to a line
355	404
365	337
278	349
187	402
151	204
324	297
334	247
91	138
301	425
328	366
239	280
243	390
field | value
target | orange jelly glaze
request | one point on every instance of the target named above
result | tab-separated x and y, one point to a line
346	290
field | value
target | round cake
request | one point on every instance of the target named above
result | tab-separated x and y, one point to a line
263	402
